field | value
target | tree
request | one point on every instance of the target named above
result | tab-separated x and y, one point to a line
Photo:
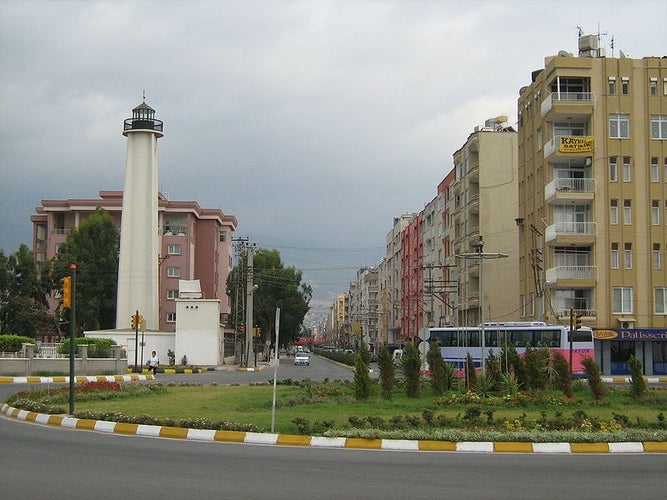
23	292
387	372
410	365
362	378
94	248
277	286
594	378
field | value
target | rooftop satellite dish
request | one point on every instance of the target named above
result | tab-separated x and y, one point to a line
623	56
563	53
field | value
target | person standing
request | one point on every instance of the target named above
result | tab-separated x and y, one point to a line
153	363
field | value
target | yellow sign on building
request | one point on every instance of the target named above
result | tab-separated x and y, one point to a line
576	144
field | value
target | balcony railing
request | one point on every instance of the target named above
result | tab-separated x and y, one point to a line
569	185
570	229
584	98
582	312
557	273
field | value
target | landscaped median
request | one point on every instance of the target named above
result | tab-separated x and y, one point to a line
328	442
78	379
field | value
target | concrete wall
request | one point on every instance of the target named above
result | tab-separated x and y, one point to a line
28	364
198	331
160	342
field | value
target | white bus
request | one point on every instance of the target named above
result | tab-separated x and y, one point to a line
456	342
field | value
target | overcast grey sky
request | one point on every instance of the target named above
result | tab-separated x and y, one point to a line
314	123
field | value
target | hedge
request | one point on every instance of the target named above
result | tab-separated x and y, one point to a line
13	343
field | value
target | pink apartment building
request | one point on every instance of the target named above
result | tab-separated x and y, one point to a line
196	244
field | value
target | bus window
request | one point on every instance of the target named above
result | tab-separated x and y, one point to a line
549	338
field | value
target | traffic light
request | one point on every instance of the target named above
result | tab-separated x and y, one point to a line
135	319
67	291
577	321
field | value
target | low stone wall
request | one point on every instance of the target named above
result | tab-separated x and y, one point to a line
83	365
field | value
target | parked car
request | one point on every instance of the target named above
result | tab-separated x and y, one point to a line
301	358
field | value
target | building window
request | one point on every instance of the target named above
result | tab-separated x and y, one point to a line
627	169
660	300
223	236
657	258
174	249
622	300
531	299
171	317
619	126
612	85
627	212
615	264
664	86
655	170
613	169
625	85
172	294
613	212
655	212
627	254
523	306
658	126
653	87
174	272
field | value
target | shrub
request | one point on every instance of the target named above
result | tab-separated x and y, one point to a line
13	343
410	364
362	378
594	378
97	347
562	379
387	373
638	386
436	365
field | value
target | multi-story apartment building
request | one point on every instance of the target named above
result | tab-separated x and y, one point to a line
196	244
364	306
412	285
433	262
390	282
592	201
482	217
447	291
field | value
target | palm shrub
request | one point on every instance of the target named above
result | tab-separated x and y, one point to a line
638	384
362	378
594	378
562	379
387	373
493	370
410	365
437	367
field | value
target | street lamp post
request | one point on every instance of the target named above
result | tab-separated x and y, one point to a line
478	254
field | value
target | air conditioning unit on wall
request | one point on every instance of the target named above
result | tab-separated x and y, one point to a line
626	323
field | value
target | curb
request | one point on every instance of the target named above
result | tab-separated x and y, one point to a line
622	379
330	442
82	378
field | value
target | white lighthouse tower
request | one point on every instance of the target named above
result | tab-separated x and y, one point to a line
140	235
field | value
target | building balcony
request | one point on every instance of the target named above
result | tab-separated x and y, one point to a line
569	189
564	233
572	276
566	147
568	106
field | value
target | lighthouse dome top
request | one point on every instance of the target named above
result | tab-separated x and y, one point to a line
143	118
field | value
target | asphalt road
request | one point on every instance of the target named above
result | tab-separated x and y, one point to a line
50	462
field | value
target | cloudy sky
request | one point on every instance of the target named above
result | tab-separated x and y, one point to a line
314	123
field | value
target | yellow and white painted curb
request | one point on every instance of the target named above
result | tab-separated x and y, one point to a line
624	379
329	442
81	378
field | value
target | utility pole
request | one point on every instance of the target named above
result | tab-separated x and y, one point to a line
250	288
